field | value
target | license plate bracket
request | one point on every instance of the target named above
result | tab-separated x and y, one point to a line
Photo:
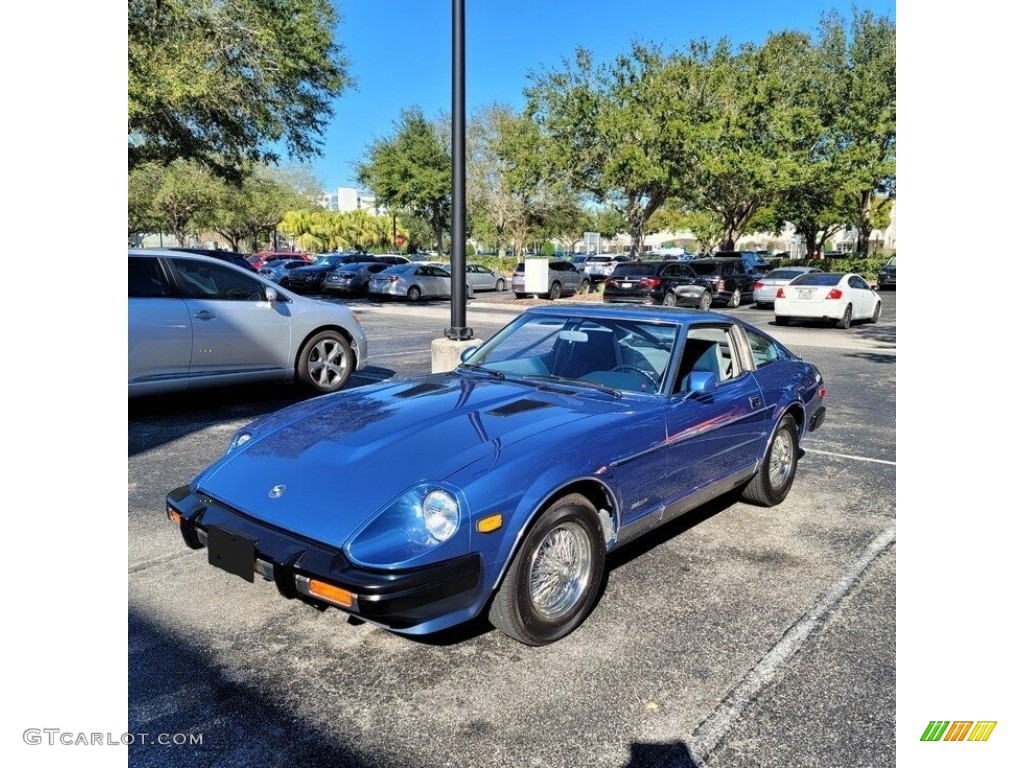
231	552
804	293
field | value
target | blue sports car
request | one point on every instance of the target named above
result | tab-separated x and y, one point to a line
499	488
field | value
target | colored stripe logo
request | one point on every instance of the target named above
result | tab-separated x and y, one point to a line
958	730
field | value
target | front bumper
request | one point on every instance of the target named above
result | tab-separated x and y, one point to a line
398	599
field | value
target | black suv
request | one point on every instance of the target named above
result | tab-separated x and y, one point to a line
656	282
755	263
727	277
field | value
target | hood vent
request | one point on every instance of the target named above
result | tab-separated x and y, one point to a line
519	406
421	389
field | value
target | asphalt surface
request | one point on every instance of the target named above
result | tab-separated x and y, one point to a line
735	636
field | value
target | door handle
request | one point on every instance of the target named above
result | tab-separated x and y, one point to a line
204	314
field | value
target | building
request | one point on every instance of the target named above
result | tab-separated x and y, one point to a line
350	199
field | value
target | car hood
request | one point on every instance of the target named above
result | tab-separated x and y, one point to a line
342	458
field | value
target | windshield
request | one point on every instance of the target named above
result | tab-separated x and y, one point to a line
783	274
613	355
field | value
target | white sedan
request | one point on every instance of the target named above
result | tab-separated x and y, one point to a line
831	296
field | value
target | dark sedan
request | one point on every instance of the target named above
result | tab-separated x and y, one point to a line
656	282
887	275
238	259
310	278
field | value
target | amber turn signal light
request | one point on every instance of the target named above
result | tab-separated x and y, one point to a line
330	592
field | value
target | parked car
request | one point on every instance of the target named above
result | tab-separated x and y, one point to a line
830	296
482	278
656	282
754	262
232	257
261	259
413	281
353	278
195	321
310	277
730	282
392	258
766	287
563	279
275	270
579	260
504	521
598	267
887	275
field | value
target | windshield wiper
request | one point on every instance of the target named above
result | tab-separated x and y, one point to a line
480	369
570	383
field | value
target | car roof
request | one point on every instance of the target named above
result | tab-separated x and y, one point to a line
167	253
646	313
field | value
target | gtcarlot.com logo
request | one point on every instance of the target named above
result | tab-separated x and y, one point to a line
52	736
958	730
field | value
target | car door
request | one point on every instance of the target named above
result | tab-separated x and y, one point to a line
714	438
863	297
435	281
236	331
159	328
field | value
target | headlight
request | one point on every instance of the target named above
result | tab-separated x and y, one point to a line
441	514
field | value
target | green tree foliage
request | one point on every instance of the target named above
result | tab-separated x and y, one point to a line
252	211
859	87
183	198
606	132
224	83
412	172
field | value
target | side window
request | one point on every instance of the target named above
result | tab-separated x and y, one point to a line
672	270
765	350
145	279
708	350
856	282
202	280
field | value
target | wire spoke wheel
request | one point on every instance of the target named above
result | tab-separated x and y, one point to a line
560	570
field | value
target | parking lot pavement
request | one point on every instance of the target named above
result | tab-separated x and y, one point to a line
736	636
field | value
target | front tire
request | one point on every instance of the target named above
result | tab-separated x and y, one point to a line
325	362
774	477
875	315
705	301
555	576
670	299
735	299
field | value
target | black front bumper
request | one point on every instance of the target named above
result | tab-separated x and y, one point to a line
396	599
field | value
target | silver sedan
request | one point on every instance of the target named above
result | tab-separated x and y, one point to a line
413	282
765	288
194	321
482	278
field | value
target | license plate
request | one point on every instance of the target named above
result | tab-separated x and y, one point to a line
626	285
804	293
231	552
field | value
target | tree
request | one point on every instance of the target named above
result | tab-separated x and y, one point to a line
186	199
143	184
860	75
412	171
253	210
606	133
225	83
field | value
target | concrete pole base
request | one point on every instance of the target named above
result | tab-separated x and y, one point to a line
444	353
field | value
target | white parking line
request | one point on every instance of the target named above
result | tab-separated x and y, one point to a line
710	733
848	456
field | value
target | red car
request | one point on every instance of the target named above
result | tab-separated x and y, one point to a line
261	259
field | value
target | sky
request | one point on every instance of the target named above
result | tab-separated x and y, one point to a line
400	52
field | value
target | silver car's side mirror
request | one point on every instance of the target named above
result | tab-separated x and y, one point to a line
272	295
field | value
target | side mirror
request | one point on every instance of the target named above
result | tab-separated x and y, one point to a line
703	382
467	353
272	295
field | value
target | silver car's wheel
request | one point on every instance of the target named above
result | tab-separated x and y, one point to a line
555	577
325	362
414	293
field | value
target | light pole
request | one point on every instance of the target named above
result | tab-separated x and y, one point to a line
458	330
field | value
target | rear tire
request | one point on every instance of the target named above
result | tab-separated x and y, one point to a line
705	301
876	313
414	293
500	285
555	292
774	477
846	319
670	299
735	299
555	577
781	320
520	295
